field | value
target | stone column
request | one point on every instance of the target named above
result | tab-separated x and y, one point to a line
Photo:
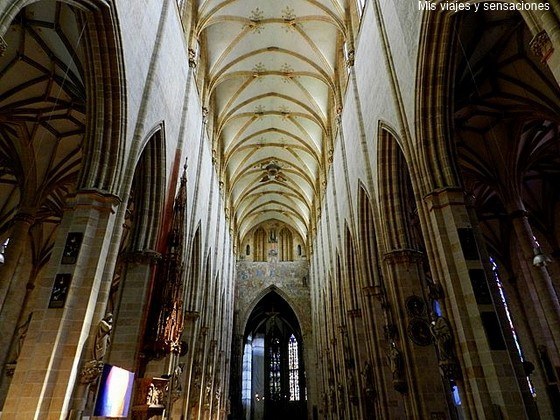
486	381
48	366
374	386
540	283
19	238
131	309
425	393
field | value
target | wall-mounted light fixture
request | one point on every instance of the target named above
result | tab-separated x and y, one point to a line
540	259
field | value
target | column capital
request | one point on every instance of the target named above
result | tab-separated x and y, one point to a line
404	255
25	216
443	197
143	257
541	45
192	315
355	313
95	198
518	214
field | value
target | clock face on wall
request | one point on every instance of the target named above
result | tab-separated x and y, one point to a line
415	306
72	248
60	290
419	332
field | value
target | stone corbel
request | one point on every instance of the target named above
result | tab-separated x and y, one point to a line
3	46
192	58
541	45
143	257
403	256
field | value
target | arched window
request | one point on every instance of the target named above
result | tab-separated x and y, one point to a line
248	250
246	376
275	369
3	250
293	368
259	245
299	250
510	320
286	244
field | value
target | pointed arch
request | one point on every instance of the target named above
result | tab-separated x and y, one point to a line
352	280
148	191
259	245
244	316
105	91
368	238
285	248
395	187
194	270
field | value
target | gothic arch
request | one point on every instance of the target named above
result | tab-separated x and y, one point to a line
148	190
194	269
395	189
368	237
352	272
259	245
286	245
244	316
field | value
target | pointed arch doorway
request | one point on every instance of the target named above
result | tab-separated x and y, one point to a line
273	376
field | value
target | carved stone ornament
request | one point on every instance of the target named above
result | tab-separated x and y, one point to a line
192	58
396	364
541	45
3	46
443	338
91	371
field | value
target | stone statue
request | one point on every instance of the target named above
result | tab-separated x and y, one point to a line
441	331
92	369
332	398
368	383
395	360
443	339
103	337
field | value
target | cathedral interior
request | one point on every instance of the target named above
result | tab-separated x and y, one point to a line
290	209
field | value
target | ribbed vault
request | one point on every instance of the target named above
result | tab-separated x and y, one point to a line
42	118
271	81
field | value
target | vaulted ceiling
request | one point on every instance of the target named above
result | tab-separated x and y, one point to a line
271	71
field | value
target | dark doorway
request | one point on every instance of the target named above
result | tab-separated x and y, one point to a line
273	376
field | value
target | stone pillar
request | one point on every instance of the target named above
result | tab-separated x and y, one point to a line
487	375
19	238
425	392
546	44
375	389
539	283
131	309
48	366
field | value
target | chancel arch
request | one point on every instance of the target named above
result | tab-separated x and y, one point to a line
318	209
273	362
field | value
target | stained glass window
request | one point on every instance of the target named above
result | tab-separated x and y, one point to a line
293	364
275	373
246	377
510	321
3	250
